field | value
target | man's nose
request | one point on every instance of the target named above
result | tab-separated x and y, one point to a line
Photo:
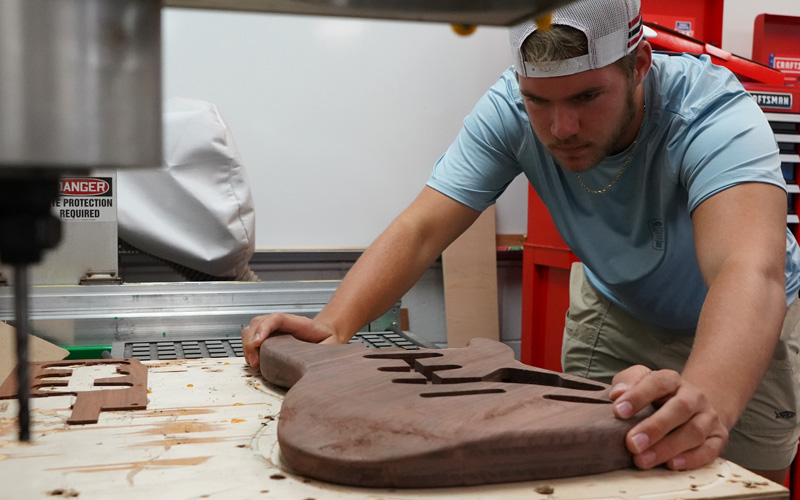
565	122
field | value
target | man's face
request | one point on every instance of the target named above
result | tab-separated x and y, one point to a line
581	118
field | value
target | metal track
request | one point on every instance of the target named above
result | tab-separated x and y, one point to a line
103	314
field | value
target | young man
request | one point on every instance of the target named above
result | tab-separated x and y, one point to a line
663	177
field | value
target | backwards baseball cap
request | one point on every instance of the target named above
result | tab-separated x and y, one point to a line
613	29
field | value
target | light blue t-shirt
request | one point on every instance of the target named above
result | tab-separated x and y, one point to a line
702	134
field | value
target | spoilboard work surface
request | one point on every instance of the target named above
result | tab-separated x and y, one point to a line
210	431
433	418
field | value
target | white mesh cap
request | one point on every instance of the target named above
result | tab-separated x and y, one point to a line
613	29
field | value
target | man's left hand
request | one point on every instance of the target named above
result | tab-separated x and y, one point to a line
685	432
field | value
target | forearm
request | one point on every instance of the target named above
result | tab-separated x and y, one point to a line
739	326
380	277
395	261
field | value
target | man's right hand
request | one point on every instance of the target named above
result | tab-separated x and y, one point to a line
300	327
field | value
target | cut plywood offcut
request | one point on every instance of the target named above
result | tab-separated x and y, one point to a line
51	379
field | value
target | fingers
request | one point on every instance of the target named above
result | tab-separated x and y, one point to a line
685	432
254	334
643	389
679	410
331	340
693	444
301	327
679	434
701	455
250	344
627	378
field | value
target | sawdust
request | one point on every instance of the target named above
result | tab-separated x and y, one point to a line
164	363
171	428
168	443
155	464
8	426
179	412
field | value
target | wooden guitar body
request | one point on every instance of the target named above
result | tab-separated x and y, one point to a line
437	417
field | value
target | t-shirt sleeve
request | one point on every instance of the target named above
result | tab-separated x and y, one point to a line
725	141
482	160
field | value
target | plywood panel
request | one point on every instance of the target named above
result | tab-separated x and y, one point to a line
469	267
209	431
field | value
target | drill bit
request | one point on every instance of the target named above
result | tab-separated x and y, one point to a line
23	373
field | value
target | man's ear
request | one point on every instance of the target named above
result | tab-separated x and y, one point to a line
644	58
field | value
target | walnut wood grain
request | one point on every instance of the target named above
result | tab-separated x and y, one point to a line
437	417
88	404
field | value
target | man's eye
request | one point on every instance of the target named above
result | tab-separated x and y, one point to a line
587	97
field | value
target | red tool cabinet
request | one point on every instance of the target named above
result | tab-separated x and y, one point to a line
546	261
699	19
776	42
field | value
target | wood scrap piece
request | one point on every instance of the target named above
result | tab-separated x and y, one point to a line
437	417
88	404
38	350
469	269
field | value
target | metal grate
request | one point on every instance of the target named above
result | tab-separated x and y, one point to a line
232	347
383	340
178	349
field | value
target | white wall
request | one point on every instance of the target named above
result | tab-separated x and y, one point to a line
338	121
739	15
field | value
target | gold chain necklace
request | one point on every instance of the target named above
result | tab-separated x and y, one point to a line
624	165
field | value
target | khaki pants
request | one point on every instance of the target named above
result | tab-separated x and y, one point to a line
601	340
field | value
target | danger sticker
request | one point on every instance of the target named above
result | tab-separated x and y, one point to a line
84	187
86	198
